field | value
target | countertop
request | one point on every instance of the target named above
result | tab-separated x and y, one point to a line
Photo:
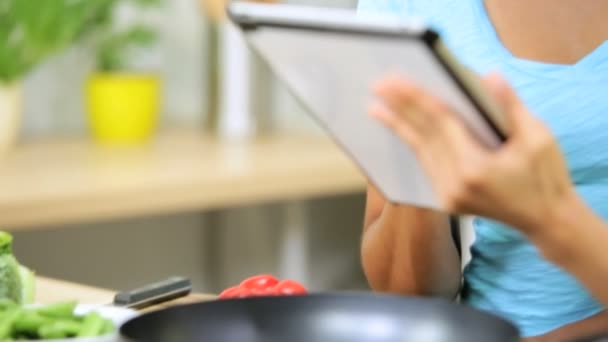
49	290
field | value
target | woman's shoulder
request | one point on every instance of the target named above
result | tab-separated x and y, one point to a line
456	20
442	15
382	6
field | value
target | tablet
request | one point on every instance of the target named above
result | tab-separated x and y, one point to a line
328	59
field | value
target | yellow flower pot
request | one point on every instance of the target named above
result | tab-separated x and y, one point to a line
123	109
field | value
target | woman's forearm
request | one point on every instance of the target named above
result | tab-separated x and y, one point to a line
410	251
576	239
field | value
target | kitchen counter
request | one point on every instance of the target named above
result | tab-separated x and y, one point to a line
58	182
49	290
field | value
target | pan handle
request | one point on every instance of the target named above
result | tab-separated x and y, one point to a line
162	291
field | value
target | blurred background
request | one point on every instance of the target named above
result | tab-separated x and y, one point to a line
140	139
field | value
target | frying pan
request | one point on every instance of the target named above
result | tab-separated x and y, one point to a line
343	317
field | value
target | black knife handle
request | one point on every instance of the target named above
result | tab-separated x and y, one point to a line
159	292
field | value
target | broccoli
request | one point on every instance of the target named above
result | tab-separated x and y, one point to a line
16	281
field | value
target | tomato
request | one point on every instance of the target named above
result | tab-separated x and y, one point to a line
243	293
230	292
289	287
259	292
263	285
260	282
273	291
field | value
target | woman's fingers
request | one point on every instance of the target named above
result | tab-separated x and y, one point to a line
386	116
422	118
501	91
467	177
398	97
511	105
443	145
528	132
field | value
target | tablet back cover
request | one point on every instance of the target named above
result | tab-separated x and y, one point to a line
331	74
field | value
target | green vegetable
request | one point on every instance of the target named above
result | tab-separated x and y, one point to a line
7	304
17	282
49	322
108	327
92	325
58	310
60	329
30	322
28	284
10	279
56	320
7	320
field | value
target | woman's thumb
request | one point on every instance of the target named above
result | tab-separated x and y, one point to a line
506	98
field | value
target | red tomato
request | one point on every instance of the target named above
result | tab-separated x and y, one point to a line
230	292
272	291
260	282
243	293
289	287
259	292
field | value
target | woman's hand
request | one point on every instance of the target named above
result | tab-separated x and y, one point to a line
523	183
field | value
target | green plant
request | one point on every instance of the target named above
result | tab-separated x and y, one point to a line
113	50
33	30
115	45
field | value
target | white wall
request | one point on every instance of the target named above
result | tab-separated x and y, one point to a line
54	91
54	96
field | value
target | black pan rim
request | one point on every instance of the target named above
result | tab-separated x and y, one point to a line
320	296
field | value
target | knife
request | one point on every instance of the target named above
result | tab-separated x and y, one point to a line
155	293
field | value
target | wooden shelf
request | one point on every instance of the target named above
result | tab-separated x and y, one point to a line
52	183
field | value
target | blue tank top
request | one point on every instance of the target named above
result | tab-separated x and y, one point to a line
507	276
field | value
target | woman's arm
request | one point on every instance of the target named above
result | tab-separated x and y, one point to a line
576	239
408	250
525	183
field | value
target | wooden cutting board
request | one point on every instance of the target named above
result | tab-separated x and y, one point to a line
190	299
49	290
